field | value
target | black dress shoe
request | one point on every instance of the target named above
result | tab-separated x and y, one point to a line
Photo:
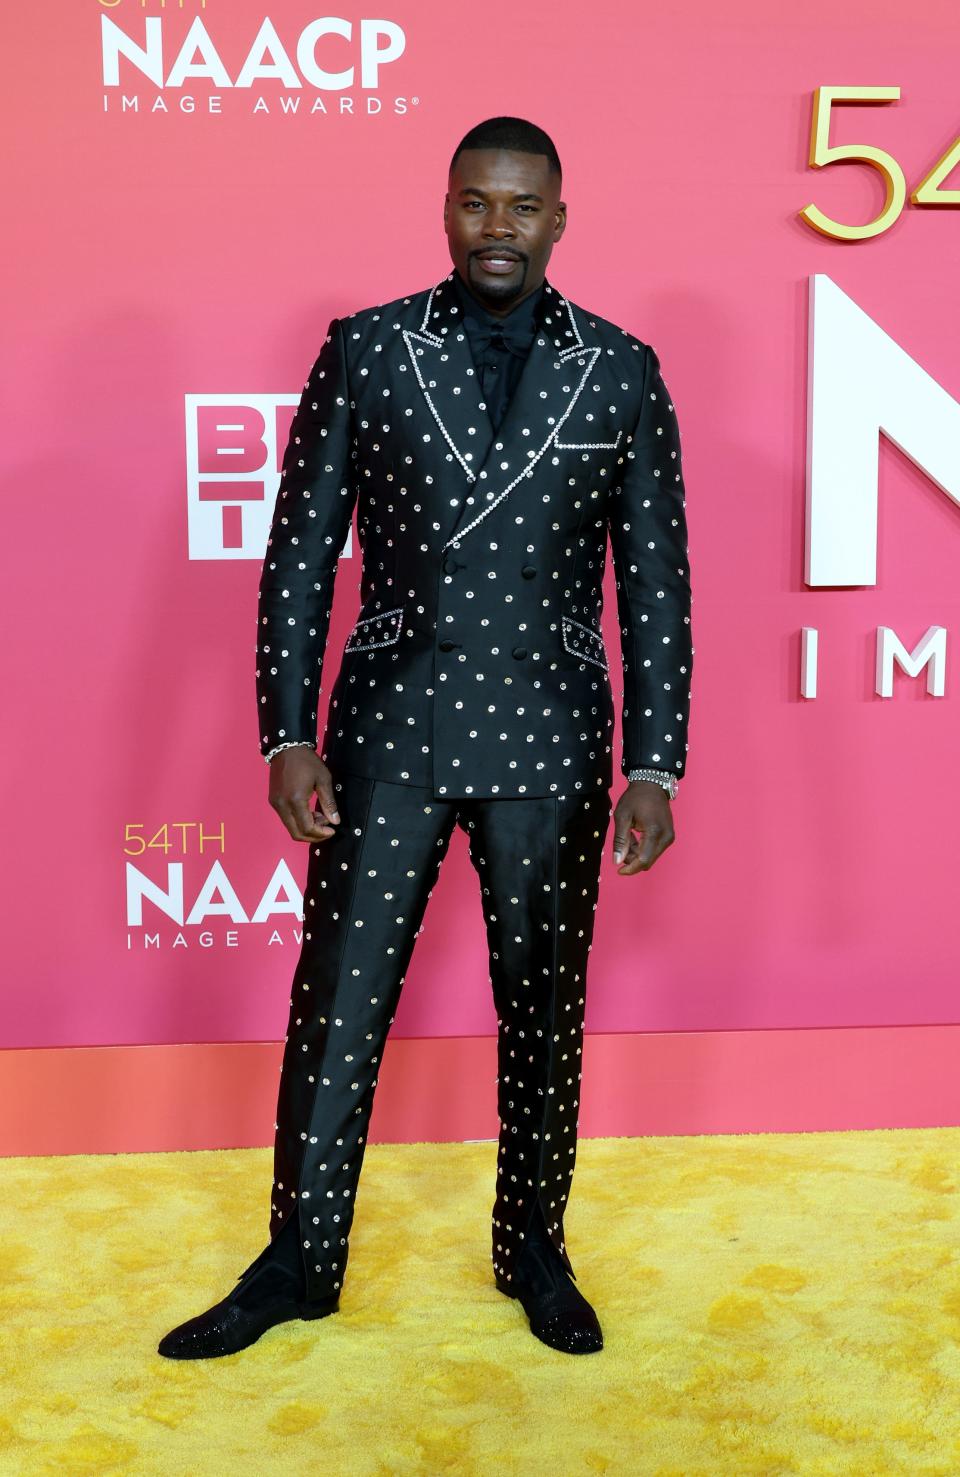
559	1314
267	1293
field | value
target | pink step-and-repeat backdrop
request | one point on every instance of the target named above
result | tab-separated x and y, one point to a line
194	191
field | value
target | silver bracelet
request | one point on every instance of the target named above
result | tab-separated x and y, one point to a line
290	744
661	777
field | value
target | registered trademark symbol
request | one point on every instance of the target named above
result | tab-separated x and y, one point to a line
414	99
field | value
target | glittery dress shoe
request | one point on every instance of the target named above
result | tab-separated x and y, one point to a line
558	1313
270	1291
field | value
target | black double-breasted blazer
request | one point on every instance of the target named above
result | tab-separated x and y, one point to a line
477	664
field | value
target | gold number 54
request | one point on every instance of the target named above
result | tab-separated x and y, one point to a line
927	192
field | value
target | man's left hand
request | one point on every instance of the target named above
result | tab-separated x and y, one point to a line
644	806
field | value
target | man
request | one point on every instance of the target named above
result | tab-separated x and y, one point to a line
490	434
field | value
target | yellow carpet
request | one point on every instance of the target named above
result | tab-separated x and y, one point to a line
772	1303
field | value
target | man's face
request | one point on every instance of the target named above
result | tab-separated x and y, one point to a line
502	215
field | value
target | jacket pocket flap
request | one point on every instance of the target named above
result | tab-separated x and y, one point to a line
376	630
582	642
586	437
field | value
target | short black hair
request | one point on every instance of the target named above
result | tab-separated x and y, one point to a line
515	134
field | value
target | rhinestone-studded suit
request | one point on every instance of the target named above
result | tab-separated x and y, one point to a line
473	690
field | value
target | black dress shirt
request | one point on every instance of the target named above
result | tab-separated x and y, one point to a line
499	346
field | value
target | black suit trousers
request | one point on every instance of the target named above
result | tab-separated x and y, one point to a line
538	862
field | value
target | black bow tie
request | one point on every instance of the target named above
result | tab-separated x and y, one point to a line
505	335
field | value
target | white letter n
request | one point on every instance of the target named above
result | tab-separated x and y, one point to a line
859	383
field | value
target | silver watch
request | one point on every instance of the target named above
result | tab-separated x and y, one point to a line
659	777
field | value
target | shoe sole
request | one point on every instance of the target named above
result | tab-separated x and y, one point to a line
306	1311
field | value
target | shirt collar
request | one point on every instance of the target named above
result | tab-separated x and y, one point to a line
518	326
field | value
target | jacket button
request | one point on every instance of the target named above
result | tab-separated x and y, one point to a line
528	571
519	652
447	645
450	564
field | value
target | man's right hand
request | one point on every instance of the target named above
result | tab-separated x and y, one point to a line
294	775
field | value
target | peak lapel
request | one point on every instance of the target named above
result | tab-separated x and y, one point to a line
446	375
553	376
